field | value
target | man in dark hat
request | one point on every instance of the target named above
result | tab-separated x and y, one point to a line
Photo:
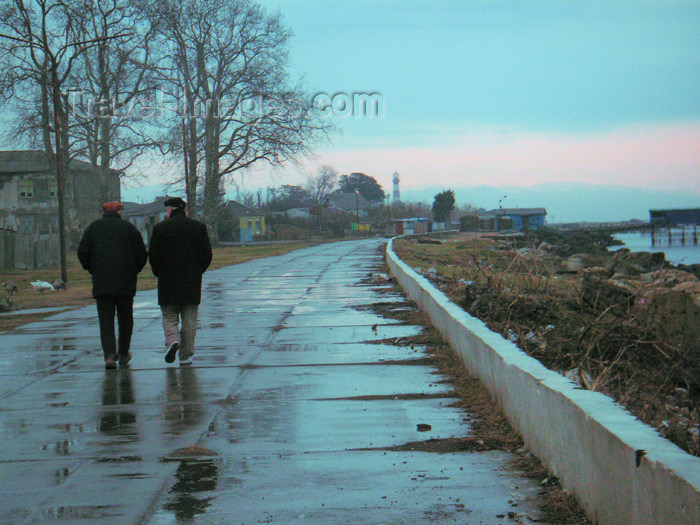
180	253
112	250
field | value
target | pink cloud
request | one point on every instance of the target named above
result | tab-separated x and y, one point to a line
663	157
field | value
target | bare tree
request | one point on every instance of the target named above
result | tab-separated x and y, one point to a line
323	184
39	48
40	44
107	121
241	108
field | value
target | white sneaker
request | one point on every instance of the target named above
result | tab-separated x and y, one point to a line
187	361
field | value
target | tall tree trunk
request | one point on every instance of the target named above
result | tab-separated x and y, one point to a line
211	179
104	138
193	177
46	112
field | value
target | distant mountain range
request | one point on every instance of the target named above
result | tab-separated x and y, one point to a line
567	202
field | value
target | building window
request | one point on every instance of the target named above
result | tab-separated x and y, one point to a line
53	188
26	189
26	224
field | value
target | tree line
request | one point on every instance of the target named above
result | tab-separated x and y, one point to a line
201	83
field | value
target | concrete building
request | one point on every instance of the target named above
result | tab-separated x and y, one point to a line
517	219
411	226
29	205
350	203
145	216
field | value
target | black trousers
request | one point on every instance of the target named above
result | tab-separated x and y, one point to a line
106	307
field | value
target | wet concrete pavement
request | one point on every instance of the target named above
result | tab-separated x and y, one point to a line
297	406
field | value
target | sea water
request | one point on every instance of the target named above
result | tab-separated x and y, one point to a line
641	242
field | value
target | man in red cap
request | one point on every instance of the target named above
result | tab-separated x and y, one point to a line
112	250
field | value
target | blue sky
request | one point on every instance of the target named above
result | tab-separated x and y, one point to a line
565	65
506	93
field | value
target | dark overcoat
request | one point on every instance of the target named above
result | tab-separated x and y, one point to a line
112	250
180	252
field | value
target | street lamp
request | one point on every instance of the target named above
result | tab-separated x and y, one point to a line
500	211
357	207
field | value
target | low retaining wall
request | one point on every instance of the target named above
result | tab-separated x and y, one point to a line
620	470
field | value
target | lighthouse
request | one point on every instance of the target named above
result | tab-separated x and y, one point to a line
396	197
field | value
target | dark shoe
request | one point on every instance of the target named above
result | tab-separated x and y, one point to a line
172	351
124	359
110	364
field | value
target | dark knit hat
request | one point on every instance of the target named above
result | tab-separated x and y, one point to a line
112	206
175	202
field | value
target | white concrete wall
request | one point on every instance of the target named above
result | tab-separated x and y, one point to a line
582	436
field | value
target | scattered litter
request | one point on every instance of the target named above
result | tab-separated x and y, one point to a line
42	286
580	377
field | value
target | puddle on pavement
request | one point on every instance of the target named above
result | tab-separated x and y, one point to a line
64	447
118	416
61	475
191	493
182	392
120	459
82	512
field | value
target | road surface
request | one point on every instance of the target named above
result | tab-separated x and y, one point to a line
297	408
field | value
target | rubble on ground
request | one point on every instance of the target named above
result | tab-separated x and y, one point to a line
626	324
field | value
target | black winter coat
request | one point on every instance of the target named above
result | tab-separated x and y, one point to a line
112	250
180	253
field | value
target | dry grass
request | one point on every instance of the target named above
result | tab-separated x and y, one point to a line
569	325
79	289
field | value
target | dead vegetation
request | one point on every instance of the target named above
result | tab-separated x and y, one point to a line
624	324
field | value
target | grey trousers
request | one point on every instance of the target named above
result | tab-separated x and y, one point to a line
184	315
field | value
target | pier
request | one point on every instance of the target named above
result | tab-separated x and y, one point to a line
674	227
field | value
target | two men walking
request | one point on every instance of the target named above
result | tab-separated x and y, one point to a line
113	251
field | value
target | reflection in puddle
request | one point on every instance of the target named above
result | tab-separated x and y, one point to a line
193	478
91	512
70	427
64	447
183	396
293	347
61	475
118	393
119	459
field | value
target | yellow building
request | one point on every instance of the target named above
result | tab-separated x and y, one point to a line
249	224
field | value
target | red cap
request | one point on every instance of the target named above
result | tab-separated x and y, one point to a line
112	206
